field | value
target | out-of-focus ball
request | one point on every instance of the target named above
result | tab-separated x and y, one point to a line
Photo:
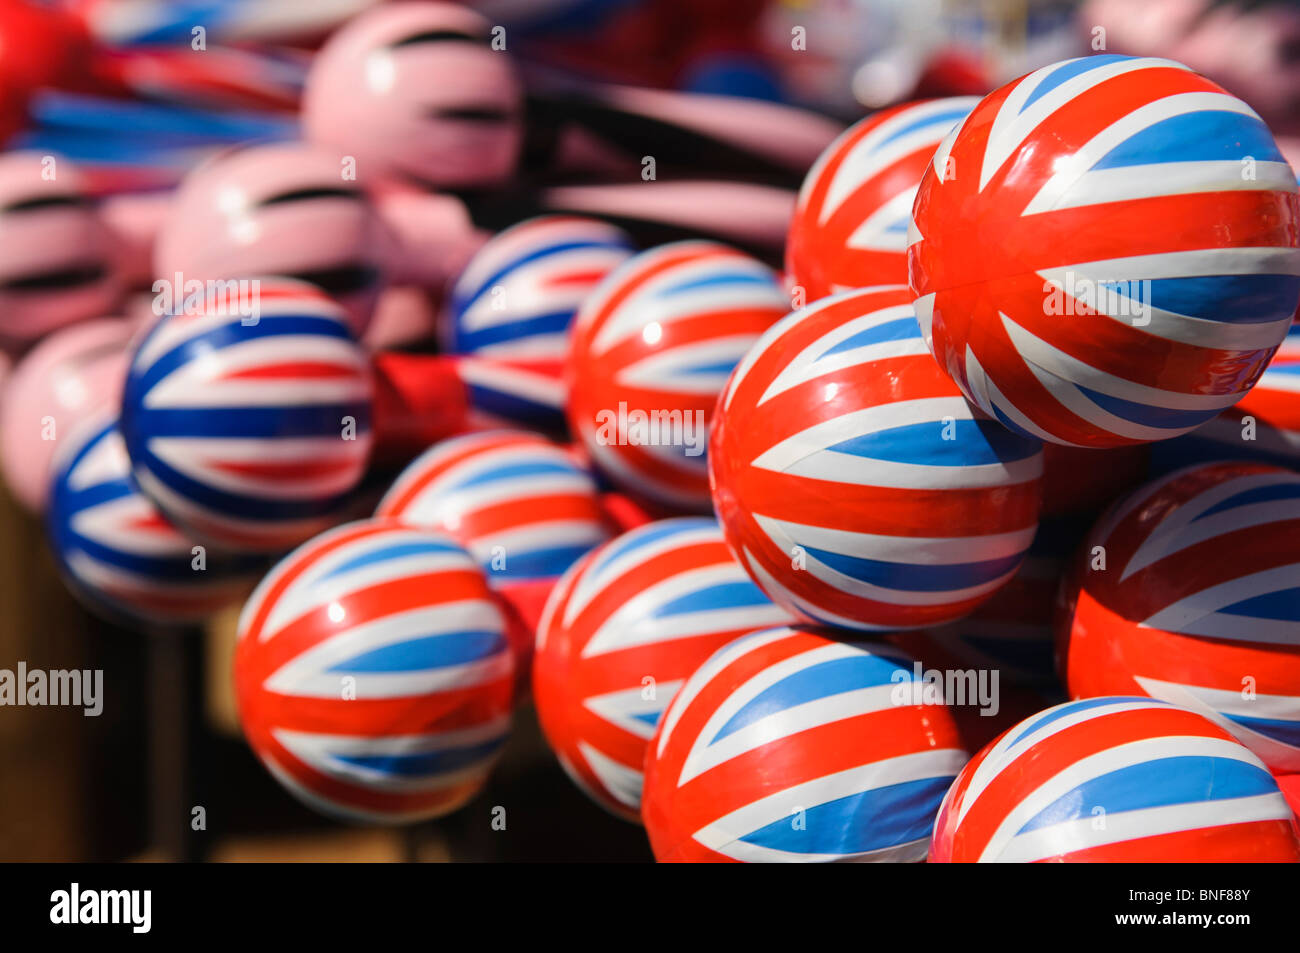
1127	780
850	225
250	431
1189	591
792	745
1263	425
57	261
373	675
620	633
277	209
1092	265
521	506
853	480
416	90
118	553
1013	631
517	296
73	374
652	348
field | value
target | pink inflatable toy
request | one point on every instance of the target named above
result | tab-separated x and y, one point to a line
67	378
418	91
285	209
56	259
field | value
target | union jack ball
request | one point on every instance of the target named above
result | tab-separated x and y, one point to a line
850	224
1115	779
854	481
249	430
620	633
521	506
790	744
373	675
651	349
118	552
1189	591
517	296
1264	425
1106	251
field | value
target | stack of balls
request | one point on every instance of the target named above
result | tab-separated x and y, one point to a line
869	560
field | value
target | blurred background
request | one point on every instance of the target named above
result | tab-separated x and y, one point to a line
122	786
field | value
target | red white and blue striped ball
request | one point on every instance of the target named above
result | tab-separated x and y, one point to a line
1264	425
250	433
853	480
1198	602
1118	780
513	393
372	672
850	224
517	296
521	506
1106	251
791	745
651	350
621	632
119	553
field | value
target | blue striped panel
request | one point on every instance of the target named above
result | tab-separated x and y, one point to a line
866	821
1158	783
423	547
424	653
726	595
423	764
1205	135
647	536
231	333
1073	708
533	325
719	280
1146	415
822	680
202	494
916	577
462	302
973	443
1288	490
538	563
1230	299
1282	605
1066	72
941	121
903	329
511	471
1280	730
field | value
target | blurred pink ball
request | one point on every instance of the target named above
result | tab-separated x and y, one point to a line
70	376
56	256
417	91
285	209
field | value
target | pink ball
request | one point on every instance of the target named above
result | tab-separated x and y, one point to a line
56	257
281	209
416	90
68	377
